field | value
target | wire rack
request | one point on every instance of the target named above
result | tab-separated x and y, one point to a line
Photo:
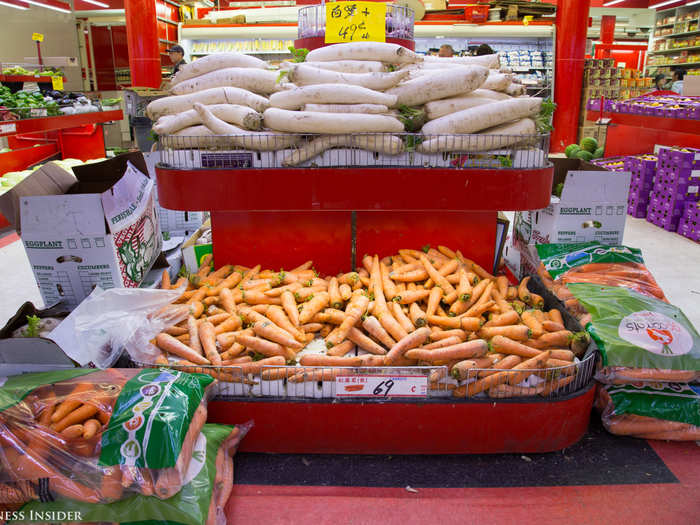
323	382
268	150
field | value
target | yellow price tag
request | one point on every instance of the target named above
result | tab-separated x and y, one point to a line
527	20
37	37
355	22
57	83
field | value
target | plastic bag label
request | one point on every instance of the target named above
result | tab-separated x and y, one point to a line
560	258
18	387
637	331
669	401
151	418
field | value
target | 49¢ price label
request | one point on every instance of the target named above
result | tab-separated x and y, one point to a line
381	386
355	22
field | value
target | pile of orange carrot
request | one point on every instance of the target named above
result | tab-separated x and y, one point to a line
430	307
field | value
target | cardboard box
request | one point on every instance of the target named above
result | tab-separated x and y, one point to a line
98	227
192	252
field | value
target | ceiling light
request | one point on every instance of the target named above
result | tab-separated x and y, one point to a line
609	4
95	2
50	6
13	5
661	4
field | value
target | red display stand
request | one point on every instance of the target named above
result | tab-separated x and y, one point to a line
630	134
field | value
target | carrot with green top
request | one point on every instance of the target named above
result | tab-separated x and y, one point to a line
401	317
559	339
416	315
510	317
464	288
406	343
478	309
336	301
465	350
207	336
448	289
470	324
374	328
341	349
264	327
355	310
231	324
523	292
532	323
505	345
314	305
391	325
193	329
434	299
409	297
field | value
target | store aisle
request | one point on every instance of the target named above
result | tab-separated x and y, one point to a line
673	259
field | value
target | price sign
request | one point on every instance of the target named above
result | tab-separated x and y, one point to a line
381	386
57	83
355	22
527	20
8	128
37	37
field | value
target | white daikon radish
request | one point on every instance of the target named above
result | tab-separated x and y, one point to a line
242	116
215	62
388	144
303	75
490	139
255	140
489	61
251	79
348	66
483	117
497	82
329	94
488	93
332	123
440	85
192	137
515	90
376	109
389	53
440	108
221	95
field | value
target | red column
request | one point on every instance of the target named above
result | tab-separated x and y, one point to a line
607	32
572	26
142	39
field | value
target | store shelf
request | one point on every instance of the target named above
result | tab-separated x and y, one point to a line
260	52
38	125
676	35
23	158
676	50
26	78
676	64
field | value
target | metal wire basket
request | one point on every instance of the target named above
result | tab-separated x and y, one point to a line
267	150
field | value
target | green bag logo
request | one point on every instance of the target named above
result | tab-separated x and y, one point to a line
656	333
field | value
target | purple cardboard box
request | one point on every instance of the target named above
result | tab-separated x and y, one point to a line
692	233
637	209
639	194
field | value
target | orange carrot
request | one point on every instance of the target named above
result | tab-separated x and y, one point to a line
182	281
408	342
311	327
464	288
227	301
341	349
310	308
437	334
476	348
272	374
264	347
448	289
532	363
552	326
205	265
505	319
215	319
336	301
390	324
331	316
470	324
207	336
478	309
446	269
409	297
171	345
448	341
196	309
198	295
79	415
536	301
175	331
512	293
532	323
413	275
465	369
233	353
387	284
276	315
355	310
564	355
505	345
558	339
231	324
325	360
555	316
556	385
433	301
345	292
91	427
401	317
502	285
193	329
165	280
365	343
516	332
447	252
264	327
508	361
372	325
417	315
480	385
72	431
523	292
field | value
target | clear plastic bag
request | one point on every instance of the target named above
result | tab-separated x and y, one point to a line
208	485
97	436
664	411
125	318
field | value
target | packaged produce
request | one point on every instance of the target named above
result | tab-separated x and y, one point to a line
430	308
668	411
596	263
640	338
200	501
97	436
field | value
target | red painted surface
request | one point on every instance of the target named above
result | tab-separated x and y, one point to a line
7	239
304	189
4	223
442	427
84	143
318	41
142	36
104	57
21	159
37	125
634	134
384	233
571	22
26	78
607	29
283	240
120	46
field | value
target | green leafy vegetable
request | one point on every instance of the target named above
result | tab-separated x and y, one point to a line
558	189
298	54
32	329
543	122
412	118
506	162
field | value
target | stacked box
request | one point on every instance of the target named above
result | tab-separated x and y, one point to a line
677	183
690	222
643	169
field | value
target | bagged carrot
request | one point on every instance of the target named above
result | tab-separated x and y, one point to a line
640	338
200	501
101	435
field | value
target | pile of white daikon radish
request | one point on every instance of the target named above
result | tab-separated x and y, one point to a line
353	95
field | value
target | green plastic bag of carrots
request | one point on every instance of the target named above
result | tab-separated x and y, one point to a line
99	435
640	338
201	500
668	411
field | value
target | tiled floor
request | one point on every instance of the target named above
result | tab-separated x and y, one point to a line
674	261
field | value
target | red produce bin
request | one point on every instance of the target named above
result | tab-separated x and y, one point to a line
476	13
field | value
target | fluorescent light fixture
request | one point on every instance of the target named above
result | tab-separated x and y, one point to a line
95	2
614	2
18	5
661	4
692	3
50	6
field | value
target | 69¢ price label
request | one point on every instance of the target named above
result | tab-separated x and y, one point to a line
355	22
381	386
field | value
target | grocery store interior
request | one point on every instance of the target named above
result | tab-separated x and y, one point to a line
292	261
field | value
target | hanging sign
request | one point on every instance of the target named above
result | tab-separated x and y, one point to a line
355	22
37	37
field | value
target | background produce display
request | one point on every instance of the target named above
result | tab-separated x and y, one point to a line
671	106
12	178
431	308
27	104
343	90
